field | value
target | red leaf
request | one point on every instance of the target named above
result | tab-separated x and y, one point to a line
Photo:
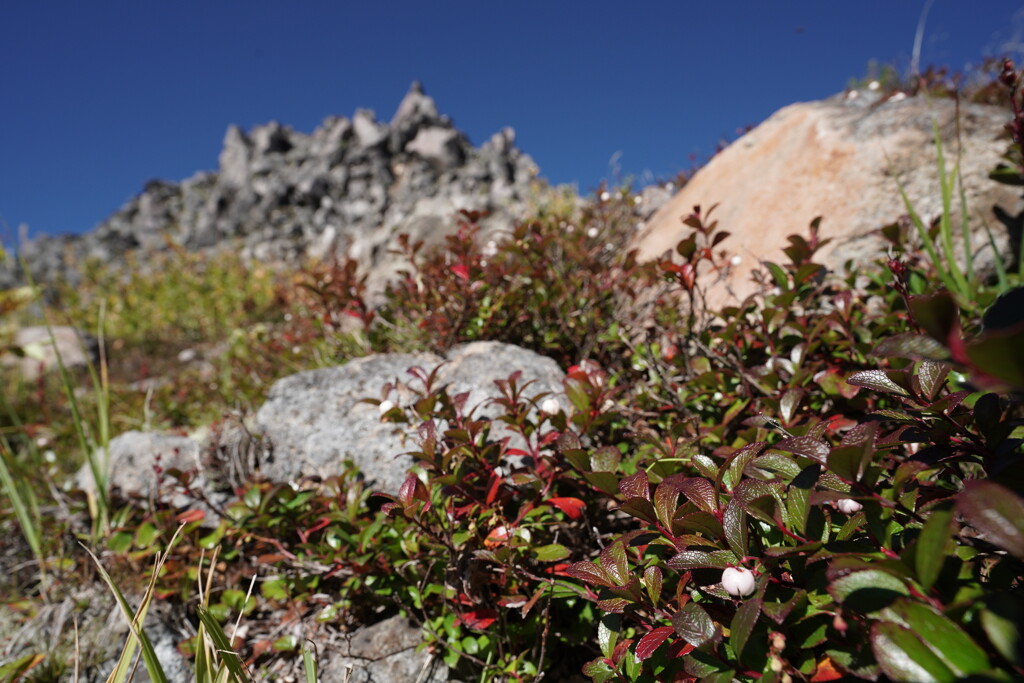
573	507
652	641
190	516
480	618
461	271
492	489
826	672
499	536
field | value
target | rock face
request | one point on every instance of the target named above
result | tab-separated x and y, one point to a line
382	653
346	189
315	420
40	349
136	458
840	158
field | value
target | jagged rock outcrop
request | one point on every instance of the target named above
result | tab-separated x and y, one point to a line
840	158
348	188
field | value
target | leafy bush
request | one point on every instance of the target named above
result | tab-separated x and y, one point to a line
819	482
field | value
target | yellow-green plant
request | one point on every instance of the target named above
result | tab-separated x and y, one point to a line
961	281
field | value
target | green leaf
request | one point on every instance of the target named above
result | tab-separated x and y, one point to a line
996	512
666	501
930	554
743	623
605	482
653	582
867	590
608	634
913	346
805	446
287	643
798	497
309	667
778	274
947	640
641	509
220	640
606	459
120	542
613	559
694	625
878	380
1001	619
598	670
551	553
699	559
937	314
903	657
1001	355
932	375
275	589
734	522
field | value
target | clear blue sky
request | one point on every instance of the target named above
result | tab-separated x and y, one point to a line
96	98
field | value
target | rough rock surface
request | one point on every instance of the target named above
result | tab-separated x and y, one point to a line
135	458
40	348
315	420
840	158
346	189
382	653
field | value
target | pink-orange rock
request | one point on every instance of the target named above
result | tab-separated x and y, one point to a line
840	159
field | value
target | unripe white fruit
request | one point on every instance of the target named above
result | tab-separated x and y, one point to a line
848	506
550	406
385	407
738	581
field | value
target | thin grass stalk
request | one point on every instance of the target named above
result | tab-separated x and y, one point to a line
26	509
945	222
97	499
926	239
137	636
309	664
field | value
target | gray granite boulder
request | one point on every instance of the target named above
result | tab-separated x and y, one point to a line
136	460
315	420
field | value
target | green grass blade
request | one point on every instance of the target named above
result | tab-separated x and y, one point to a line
98	504
945	223
220	641
309	664
26	511
926	239
136	619
137	637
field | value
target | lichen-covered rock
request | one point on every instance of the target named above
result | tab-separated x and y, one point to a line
841	158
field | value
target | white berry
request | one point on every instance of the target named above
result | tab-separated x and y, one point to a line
385	407
848	506
550	406
738	581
